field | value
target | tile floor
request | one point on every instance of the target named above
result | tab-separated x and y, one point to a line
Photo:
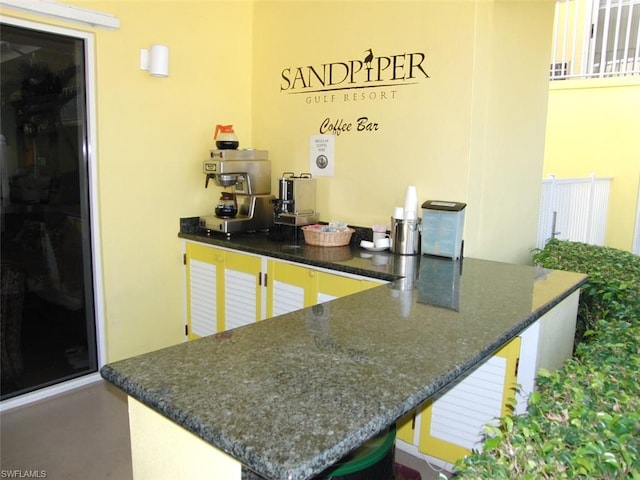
84	434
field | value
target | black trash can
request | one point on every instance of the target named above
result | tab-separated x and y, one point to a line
372	461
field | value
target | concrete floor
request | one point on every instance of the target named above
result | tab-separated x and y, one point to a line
84	434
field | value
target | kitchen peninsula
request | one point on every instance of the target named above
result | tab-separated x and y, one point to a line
289	396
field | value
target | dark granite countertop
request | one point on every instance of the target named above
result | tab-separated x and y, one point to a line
291	395
285	246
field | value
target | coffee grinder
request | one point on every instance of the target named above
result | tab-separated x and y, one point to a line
247	173
296	205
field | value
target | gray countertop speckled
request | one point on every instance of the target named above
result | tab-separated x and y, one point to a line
350	259
290	396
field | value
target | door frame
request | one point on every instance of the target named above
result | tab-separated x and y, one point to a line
94	212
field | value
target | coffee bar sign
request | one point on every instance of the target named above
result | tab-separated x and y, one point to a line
367	79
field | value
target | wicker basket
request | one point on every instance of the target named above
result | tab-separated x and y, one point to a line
314	236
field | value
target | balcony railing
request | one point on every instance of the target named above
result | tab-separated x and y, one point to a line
595	38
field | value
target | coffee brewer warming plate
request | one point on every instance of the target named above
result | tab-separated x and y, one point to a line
248	173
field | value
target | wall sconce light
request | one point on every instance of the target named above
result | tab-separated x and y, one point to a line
156	60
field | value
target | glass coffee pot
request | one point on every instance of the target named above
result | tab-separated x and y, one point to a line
225	137
227	206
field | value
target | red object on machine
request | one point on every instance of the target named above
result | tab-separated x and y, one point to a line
223	129
406	473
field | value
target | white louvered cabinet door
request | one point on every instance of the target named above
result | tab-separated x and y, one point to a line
290	288
287	298
453	424
204	299
240	299
204	281
325	297
243	290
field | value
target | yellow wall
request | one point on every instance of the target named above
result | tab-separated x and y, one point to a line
510	108
153	134
593	127
472	132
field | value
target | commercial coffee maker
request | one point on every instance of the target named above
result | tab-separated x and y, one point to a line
246	176
296	205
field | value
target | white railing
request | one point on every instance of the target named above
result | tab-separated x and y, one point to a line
595	38
574	209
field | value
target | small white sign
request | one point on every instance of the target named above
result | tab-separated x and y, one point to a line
322	155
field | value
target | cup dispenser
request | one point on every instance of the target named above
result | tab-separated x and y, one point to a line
442	225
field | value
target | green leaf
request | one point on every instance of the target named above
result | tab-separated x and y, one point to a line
583	420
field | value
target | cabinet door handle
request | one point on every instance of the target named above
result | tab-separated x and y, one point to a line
265	279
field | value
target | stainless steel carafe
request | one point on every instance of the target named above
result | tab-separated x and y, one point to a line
297	202
405	236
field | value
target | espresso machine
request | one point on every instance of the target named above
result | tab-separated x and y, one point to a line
296	205
246	175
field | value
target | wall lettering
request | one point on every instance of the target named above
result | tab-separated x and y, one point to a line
339	125
372	78
395	68
351	97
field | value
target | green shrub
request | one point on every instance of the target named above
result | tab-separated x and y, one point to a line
583	421
613	287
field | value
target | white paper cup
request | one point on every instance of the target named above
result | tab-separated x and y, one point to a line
379	235
398	212
411	203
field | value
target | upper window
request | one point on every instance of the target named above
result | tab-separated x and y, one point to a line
615	36
596	38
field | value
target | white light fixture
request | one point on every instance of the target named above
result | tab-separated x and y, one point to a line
156	60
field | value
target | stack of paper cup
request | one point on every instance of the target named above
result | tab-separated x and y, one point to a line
411	203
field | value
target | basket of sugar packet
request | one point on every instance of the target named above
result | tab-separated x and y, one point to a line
335	234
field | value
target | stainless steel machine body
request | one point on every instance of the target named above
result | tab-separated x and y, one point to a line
248	173
296	204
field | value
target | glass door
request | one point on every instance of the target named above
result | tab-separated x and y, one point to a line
48	323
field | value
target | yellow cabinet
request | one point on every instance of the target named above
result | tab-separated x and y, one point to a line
332	286
367	284
290	287
448	427
227	289
293	287
205	287
223	290
406	428
242	290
